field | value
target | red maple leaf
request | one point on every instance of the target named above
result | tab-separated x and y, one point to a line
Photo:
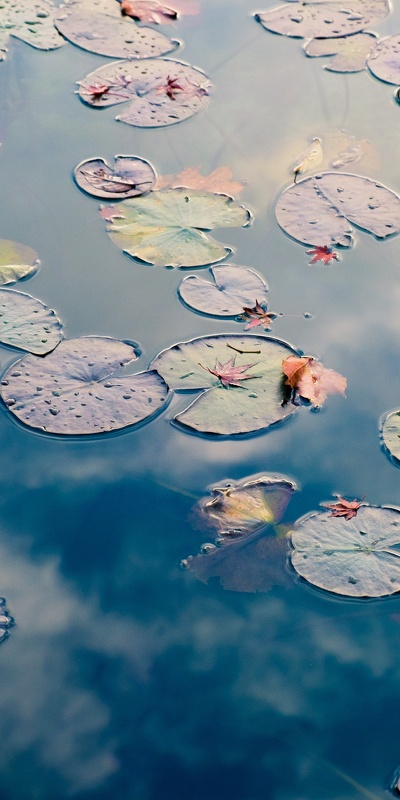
229	374
257	316
343	508
323	253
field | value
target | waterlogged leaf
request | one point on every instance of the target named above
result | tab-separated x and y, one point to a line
384	61
359	557
233	287
130	176
391	433
219	181
318	210
311	380
156	12
5	620
323	18
77	389
32	21
324	254
17	261
254	405
161	91
349	53
310	159
167	228
111	36
27	323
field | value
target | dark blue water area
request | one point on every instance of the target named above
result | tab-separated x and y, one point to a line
123	676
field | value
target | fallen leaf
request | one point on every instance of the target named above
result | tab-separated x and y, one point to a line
310	159
293	367
110	212
323	253
343	508
229	374
312	380
156	12
258	315
219	181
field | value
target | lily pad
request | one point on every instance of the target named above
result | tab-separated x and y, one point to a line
166	228
349	53
106	35
161	91
73	391
254	402
324	18
17	261
234	287
27	323
318	210
131	176
384	61
359	557
391	433
5	620
32	21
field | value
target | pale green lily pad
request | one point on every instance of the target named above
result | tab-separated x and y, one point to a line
17	262
256	404
349	53
74	390
27	323
359	557
384	61
391	433
29	20
233	287
323	18
166	228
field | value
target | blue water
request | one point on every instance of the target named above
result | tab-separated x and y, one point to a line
123	677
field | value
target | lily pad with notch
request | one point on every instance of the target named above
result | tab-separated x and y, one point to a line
26	323
390	431
349	53
233	288
32	21
17	262
359	557
130	177
77	389
323	19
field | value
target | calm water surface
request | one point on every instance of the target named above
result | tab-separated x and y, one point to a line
125	678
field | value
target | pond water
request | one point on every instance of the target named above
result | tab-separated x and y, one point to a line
125	677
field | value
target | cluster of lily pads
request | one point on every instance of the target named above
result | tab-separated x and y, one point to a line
340	32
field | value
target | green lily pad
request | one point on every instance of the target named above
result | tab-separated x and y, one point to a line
359	557
349	53
384	61
391	433
27	323
323	19
72	390
17	262
233	288
254	402
29	20
166	228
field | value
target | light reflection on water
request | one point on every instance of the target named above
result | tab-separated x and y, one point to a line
123	676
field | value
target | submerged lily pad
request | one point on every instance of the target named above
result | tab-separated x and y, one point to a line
391	433
250	395
17	261
161	91
130	177
29	20
384	61
233	288
324	18
27	323
73	391
5	620
166	228
349	53
106	35
359	557
318	210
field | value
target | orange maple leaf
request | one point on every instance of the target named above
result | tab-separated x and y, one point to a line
343	508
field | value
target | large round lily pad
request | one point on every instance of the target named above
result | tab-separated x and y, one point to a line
242	376
17	261
233	287
359	557
318	210
161	91
391	433
166	228
111	36
27	323
323	18
74	390
32	21
130	177
384	61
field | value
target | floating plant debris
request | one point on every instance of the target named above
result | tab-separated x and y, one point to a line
323	19
153	11
311	380
349	53
27	323
220	181
17	262
32	21
310	159
130	176
233	288
73	391
161	91
166	228
359	557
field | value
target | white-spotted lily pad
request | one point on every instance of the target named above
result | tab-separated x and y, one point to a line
166	228
359	557
242	378
384	61
111	36
27	323
391	433
5	620
130	177
233	288
29	20
323	18
349	53
73	390
318	210
17	262
161	91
